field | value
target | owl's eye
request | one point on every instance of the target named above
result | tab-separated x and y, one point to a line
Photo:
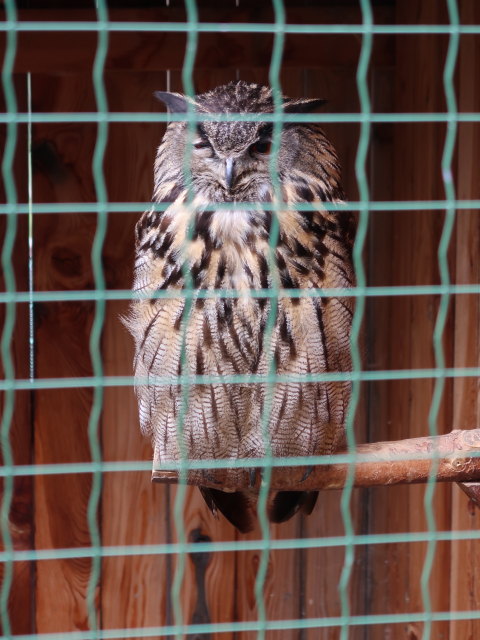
201	144
261	146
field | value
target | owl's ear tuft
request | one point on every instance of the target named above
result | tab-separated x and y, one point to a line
302	105
175	102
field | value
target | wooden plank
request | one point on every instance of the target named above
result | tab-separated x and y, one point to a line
62	156
20	517
377	313
39	52
408	329
464	588
21	434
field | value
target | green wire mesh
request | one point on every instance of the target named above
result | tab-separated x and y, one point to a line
96	332
98	381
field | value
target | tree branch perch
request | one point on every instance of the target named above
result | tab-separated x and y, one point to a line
452	452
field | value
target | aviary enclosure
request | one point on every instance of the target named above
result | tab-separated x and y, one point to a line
108	571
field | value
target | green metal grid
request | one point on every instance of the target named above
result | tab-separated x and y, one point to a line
11	209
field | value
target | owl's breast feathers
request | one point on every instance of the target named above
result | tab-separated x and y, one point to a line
228	249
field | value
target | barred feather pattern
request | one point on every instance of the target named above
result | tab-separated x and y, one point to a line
229	249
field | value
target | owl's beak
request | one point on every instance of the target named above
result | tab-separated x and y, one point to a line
229	174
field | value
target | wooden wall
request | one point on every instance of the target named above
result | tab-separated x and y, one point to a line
400	409
51	426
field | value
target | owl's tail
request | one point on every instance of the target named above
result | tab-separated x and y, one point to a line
240	507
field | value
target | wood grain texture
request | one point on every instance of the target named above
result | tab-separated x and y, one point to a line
377	313
406	341
75	51
62	157
464	587
21	432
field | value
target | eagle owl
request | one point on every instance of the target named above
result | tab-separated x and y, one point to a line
228	248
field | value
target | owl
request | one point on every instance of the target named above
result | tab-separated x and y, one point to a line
197	243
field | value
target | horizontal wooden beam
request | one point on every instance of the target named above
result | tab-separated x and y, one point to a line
70	51
388	463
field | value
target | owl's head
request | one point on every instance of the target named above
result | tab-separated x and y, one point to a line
230	161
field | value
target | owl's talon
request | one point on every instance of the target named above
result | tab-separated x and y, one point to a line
252	474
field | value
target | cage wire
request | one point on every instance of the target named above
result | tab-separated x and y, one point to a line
12	118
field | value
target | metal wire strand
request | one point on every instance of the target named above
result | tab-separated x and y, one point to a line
352	205
169	549
180	497
182	380
139	116
362	181
236	27
274	80
9	324
99	317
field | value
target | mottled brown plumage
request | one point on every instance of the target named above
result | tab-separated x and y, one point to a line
225	249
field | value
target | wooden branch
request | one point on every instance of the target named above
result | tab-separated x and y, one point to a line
455	463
